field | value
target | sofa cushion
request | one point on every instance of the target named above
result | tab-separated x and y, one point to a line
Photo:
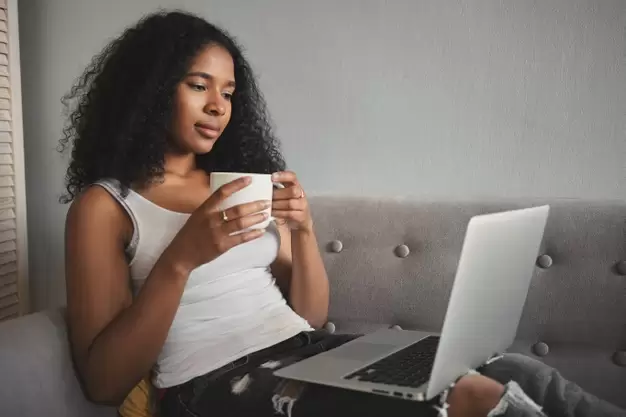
36	373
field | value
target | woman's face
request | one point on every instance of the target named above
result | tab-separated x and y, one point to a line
202	105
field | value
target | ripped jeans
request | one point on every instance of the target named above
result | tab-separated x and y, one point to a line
247	387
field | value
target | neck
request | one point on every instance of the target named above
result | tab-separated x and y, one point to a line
180	164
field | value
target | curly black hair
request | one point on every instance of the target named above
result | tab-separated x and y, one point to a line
120	108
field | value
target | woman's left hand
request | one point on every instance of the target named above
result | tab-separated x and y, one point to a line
290	204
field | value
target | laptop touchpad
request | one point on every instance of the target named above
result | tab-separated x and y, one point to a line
362	351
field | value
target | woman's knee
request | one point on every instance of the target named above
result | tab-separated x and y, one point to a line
525	370
513	364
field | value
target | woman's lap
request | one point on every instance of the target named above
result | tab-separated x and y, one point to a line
249	388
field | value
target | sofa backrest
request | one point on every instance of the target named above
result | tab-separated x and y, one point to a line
398	259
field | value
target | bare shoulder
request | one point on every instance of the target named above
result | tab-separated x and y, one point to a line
96	209
95	202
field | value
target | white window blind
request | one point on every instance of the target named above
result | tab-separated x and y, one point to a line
13	245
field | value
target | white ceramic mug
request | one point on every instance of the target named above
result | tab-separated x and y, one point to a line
260	188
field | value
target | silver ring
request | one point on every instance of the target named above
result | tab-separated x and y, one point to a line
224	216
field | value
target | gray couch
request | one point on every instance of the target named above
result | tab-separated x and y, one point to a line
392	263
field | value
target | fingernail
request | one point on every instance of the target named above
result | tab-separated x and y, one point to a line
275	175
265	215
267	204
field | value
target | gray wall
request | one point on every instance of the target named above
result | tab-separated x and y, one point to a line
425	99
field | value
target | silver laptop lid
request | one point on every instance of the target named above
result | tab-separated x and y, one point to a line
489	292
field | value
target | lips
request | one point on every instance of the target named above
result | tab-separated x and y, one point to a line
208	130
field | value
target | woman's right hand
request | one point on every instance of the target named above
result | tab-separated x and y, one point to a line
206	234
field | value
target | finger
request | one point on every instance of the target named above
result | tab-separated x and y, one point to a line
246	209
226	191
244	237
294	191
285	177
291	204
296	216
242	223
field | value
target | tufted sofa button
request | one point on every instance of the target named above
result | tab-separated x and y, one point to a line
620	358
335	246
620	267
541	349
544	261
396	327
330	327
402	251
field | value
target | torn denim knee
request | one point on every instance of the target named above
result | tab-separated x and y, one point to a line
515	403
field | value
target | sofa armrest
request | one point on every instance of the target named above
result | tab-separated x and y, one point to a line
36	372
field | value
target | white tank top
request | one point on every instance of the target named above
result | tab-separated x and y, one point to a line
230	307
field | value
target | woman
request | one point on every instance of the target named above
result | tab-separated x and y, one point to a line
156	280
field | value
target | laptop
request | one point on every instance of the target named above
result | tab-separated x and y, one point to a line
486	303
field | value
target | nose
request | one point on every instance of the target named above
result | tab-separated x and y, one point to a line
215	104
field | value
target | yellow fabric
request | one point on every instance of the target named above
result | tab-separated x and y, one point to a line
137	402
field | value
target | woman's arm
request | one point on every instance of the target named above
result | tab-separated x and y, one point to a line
114	341
299	268
300	273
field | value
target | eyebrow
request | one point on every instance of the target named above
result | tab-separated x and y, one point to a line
208	77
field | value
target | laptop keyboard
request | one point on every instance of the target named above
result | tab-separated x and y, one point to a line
409	367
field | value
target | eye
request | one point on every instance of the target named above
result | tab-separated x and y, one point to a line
227	95
197	87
